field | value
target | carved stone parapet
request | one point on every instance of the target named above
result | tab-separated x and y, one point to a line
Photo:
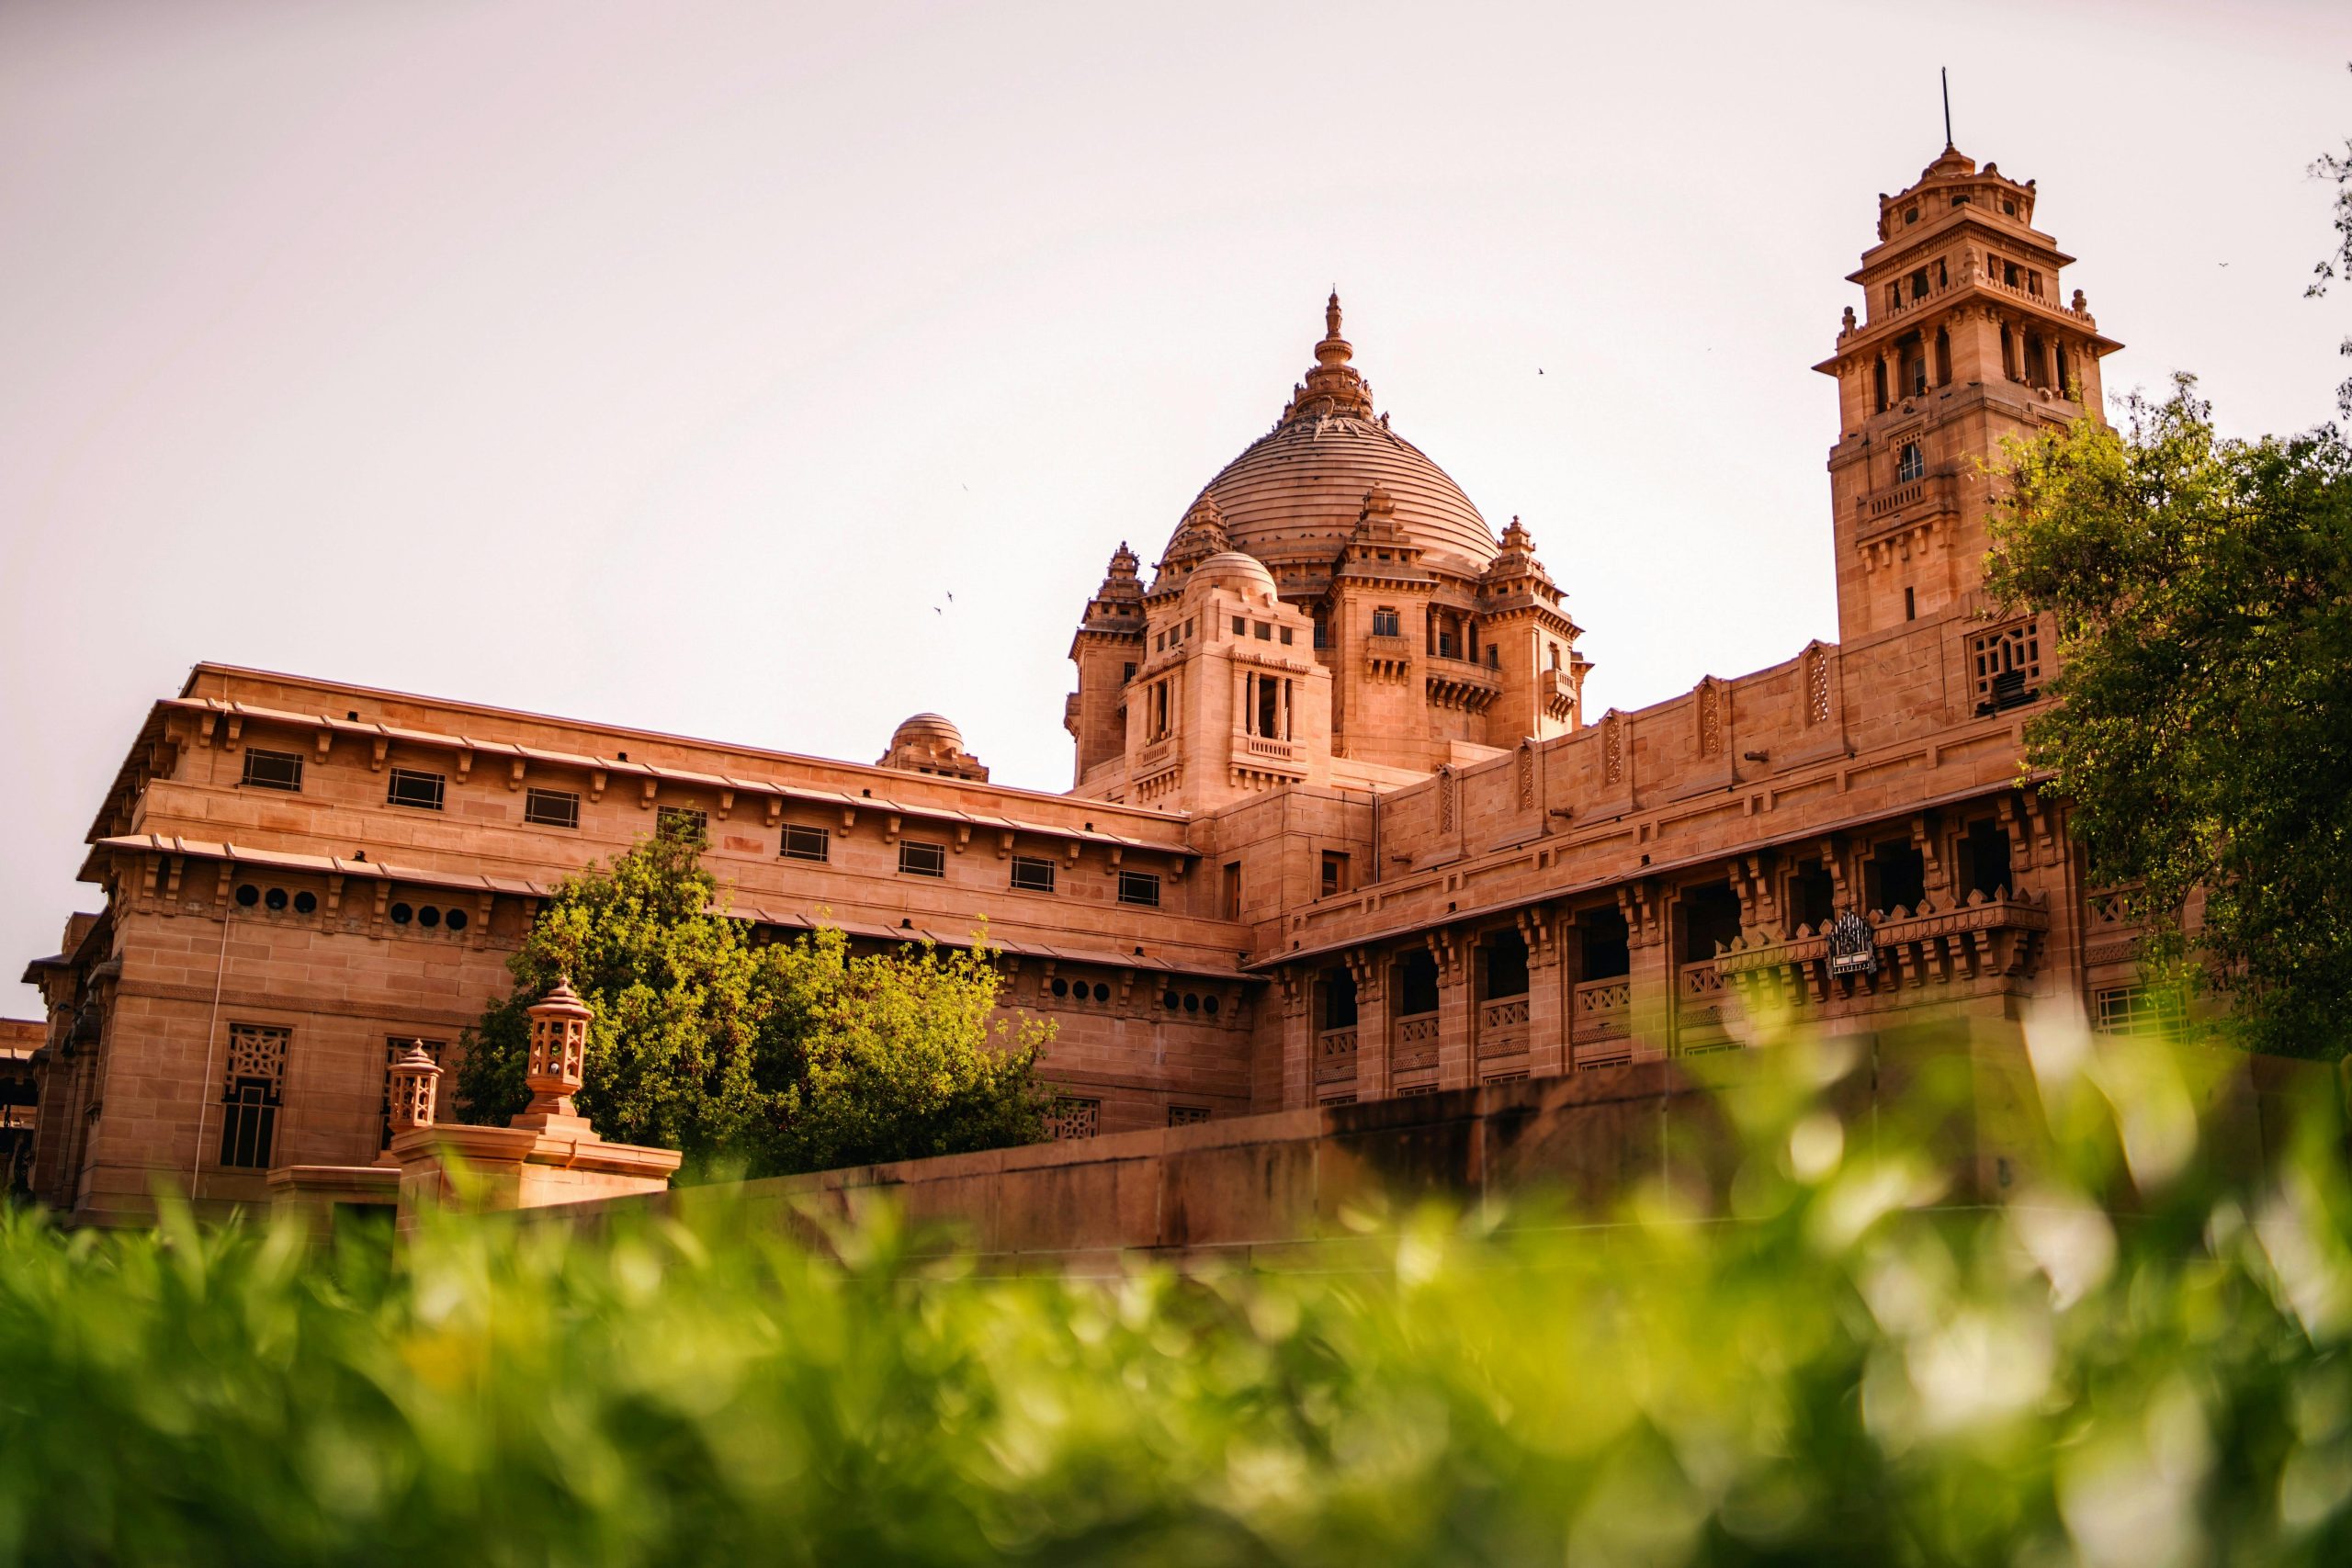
1988	944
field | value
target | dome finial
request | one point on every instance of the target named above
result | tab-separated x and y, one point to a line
1332	314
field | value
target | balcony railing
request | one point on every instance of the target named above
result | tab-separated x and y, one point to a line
1334	1055
1905	505
1416	1041
1270	749
1508	1013
1986	943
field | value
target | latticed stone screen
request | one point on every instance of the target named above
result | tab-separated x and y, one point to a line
2007	666
252	1088
1073	1118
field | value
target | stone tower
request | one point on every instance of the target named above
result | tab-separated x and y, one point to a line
1965	336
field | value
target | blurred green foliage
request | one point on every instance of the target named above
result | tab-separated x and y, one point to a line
1835	1363
792	1057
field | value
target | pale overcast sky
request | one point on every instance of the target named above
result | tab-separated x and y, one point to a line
668	364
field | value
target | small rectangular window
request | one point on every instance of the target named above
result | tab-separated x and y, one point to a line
1139	888
1126	673
1335	872
1032	873
551	808
412	787
804	843
1286	637
919	859
2132	1009
1262	631
1187	1116
273	770
1387	622
1241	626
690	820
1159	642
1233	890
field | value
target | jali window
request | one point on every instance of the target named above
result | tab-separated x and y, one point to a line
251	1092
1073	1118
2007	665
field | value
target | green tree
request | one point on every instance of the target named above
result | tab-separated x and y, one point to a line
894	1057
791	1056
679	996
2202	592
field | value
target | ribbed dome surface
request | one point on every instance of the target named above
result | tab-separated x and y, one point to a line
927	726
1295	495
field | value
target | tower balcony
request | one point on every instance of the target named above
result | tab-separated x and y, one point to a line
1899	508
1556	693
1387	658
1458	683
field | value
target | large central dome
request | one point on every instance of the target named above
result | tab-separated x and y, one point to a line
1294	495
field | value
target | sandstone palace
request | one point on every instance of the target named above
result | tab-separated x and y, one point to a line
1341	827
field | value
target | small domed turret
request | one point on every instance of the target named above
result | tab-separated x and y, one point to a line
928	743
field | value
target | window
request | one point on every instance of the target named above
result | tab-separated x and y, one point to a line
1159	642
1879	373
1812	896
804	843
394	1048
1603	950
1908	464
1910	603
919	859
1032	873
1139	888
1241	626
1322	630
1231	904
1073	1118
1262	631
1157	726
1335	993
1502	963
2131	1010
1895	878
1919	284
1266	710
1416	985
1126	673
683	821
1335	872
1387	622
273	770
411	787
1286	637
2007	664
1710	918
1984	858
1187	1116
251	1089
551	808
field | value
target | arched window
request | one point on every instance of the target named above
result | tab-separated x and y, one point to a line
1909	464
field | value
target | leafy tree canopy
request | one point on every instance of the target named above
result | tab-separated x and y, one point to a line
2201	591
792	1057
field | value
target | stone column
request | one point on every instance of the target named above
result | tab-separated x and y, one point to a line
1456	1049
1371	971
1547	1010
1298	1037
1649	1013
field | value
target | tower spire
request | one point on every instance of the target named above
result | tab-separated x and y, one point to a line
1943	72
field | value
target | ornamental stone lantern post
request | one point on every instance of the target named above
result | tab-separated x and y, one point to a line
559	1050
415	1080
